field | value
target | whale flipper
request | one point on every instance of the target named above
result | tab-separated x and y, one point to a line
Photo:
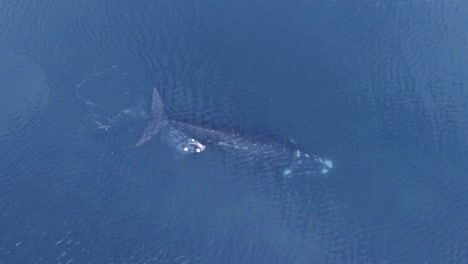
158	119
157	106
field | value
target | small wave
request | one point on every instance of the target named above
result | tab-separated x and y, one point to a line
106	94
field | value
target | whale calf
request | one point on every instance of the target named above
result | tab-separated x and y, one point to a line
274	152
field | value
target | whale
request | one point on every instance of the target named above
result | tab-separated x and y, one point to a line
276	153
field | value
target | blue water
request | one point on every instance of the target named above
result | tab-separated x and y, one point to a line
378	87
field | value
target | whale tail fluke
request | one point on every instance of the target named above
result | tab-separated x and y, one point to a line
158	119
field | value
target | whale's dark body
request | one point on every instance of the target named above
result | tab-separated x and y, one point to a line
277	153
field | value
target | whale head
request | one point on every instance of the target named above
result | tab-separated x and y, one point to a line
309	164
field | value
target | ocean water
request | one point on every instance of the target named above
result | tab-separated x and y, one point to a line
378	87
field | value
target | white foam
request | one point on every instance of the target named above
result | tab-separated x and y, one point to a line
287	172
329	165
298	153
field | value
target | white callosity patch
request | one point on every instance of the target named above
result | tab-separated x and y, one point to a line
194	146
182	142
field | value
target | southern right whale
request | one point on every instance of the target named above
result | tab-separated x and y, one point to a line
279	153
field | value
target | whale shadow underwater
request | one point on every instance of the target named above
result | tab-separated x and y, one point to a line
277	153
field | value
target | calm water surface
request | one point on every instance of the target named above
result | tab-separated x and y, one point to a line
378	87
